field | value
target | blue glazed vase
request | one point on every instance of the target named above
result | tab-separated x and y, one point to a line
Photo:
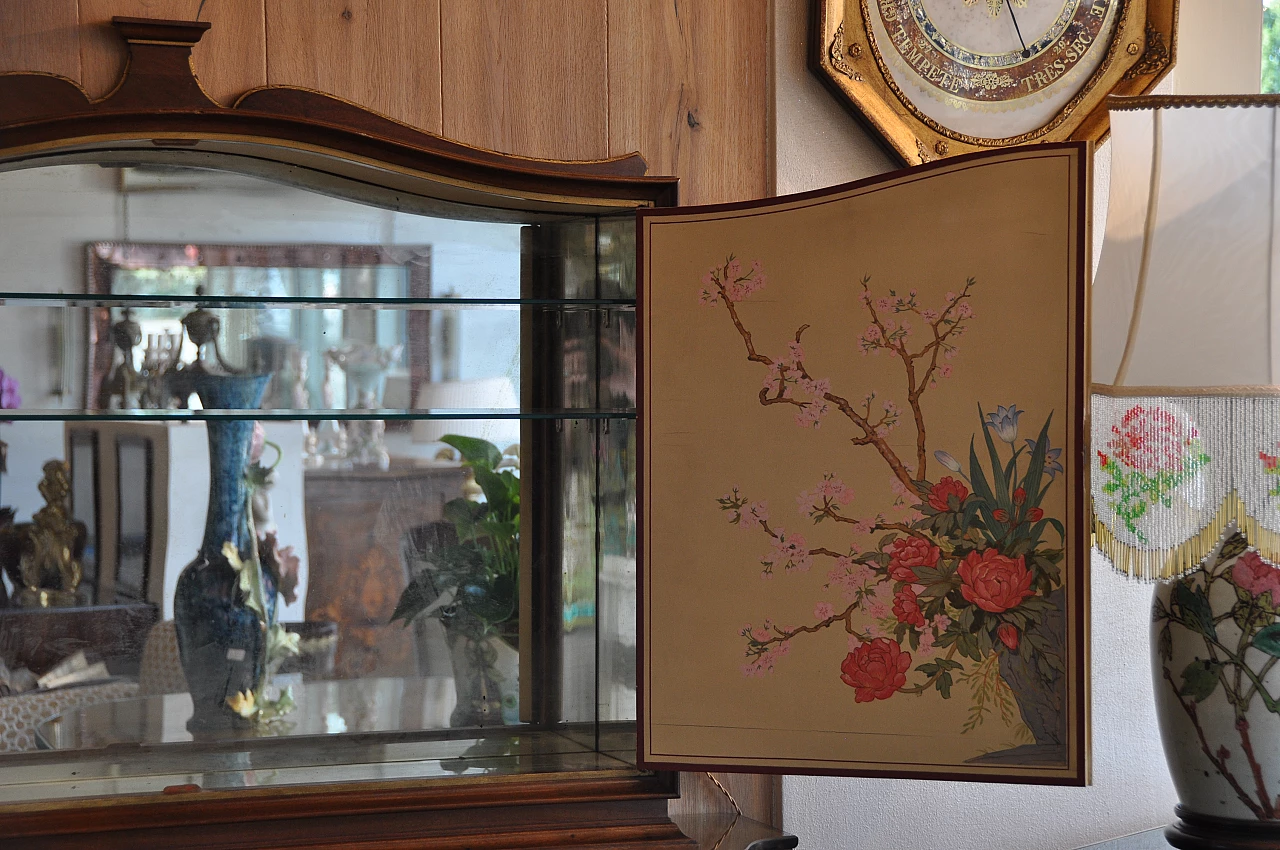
222	642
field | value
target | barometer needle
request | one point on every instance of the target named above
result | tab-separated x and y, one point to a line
1025	53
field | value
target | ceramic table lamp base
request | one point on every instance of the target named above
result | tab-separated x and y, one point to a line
1215	646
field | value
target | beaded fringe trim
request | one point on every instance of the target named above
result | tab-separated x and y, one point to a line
1155	564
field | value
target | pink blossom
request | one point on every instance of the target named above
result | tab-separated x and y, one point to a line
817	389
795	352
756	267
964	310
760	633
831	491
865	297
872	333
929	315
864	526
733	269
823	611
926	642
945	370
776	381
790	551
883	304
763	664
708	297
810	416
950	297
877	609
941	622
1256	576
709	280
849	577
755	515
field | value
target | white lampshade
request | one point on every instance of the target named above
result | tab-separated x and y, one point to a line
478	394
1186	333
1187	292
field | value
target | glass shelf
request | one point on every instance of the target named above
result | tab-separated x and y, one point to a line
58	299
135	415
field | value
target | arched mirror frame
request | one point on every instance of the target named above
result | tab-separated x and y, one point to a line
159	113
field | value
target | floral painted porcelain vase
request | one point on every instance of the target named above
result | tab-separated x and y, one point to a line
1215	647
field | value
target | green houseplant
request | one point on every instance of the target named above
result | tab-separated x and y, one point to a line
466	574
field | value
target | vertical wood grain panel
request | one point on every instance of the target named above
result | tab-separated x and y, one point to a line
229	60
527	77
382	54
689	88
40	35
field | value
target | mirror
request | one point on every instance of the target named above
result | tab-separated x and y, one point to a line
348	482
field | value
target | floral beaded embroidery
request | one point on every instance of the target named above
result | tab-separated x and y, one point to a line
1151	453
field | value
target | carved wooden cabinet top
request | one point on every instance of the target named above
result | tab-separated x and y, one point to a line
159	101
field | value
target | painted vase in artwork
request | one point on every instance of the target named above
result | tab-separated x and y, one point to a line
221	641
1215	645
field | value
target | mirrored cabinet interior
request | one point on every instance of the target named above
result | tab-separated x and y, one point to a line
320	471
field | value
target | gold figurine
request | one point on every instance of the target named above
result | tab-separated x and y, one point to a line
42	557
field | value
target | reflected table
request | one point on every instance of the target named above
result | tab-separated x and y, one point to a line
323	708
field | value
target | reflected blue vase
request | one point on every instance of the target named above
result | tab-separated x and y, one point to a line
222	642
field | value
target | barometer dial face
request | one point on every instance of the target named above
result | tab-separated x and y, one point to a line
990	68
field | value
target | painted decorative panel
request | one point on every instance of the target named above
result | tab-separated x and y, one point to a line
864	536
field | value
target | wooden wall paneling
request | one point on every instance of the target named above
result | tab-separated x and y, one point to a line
381	54
689	88
527	77
229	60
40	35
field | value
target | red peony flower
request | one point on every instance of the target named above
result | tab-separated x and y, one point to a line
909	553
939	493
907	609
1008	634
875	670
994	582
1151	440
1256	576
1035	514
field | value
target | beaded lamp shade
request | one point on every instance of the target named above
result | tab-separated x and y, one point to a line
1186	333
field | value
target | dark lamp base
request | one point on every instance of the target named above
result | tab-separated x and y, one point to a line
1203	832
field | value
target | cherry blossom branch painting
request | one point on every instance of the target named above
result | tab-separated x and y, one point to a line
960	588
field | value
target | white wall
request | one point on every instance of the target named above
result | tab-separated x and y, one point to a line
818	144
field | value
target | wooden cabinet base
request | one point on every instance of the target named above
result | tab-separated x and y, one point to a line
504	813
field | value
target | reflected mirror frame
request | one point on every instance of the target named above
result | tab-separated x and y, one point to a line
159	113
102	259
